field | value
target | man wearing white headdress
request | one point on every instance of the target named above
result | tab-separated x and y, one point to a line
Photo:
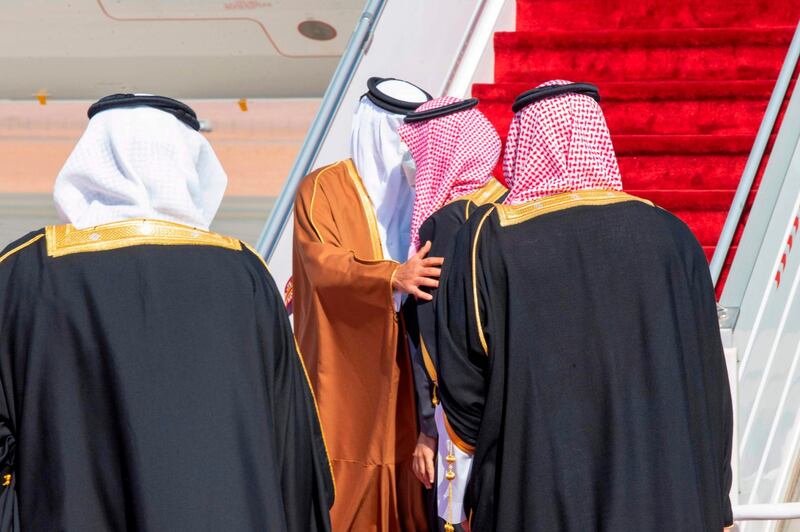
149	379
351	270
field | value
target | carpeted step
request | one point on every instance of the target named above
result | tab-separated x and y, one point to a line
666	107
677	171
682	144
706	225
684	85
537	15
683	162
704	211
690	200
641	55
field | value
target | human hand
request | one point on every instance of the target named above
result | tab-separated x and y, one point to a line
417	272
423	464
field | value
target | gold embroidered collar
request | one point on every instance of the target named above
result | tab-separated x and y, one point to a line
515	214
66	239
492	191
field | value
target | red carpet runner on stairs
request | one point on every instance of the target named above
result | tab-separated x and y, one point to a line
684	85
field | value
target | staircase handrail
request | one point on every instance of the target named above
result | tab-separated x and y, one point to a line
476	38
473	45
767	512
312	144
755	157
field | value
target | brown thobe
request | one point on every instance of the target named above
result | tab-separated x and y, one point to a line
356	353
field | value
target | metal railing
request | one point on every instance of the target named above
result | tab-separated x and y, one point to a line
457	78
756	155
761	300
480	32
767	512
334	94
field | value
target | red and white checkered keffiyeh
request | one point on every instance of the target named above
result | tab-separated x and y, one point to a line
559	144
455	155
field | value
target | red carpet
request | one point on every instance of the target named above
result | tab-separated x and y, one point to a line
684	85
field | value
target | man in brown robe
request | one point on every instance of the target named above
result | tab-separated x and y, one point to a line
350	275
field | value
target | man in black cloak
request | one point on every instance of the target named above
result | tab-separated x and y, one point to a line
457	149
149	379
579	353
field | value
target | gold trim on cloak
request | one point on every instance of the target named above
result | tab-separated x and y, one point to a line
372	223
428	361
457	441
369	209
66	239
369	214
489	193
299	354
492	191
314	196
516	214
255	252
316	409
21	247
478	321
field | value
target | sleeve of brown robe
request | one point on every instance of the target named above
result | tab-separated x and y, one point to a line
334	271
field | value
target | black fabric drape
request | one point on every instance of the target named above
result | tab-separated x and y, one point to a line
579	352
150	388
439	229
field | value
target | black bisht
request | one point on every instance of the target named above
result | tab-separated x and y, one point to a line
579	353
153	387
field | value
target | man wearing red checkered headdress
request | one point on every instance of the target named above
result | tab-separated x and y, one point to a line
579	354
454	149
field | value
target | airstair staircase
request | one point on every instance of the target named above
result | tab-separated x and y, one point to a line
705	117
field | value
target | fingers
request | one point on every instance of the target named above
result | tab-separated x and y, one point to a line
429	469
424	250
424	281
423	472
419	467
433	261
416	469
419	294
431	272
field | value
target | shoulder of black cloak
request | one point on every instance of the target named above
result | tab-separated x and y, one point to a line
443	224
17	246
324	486
20	261
692	254
257	260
